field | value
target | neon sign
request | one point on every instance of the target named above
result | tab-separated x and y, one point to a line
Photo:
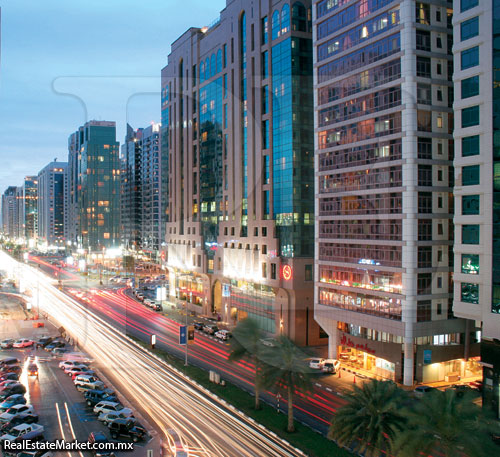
286	272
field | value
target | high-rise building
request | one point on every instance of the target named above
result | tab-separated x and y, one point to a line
384	180
477	179
52	217
30	207
94	186
141	189
237	107
10	212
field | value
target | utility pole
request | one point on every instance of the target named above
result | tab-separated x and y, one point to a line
186	361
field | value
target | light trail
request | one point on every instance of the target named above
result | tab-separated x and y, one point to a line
169	399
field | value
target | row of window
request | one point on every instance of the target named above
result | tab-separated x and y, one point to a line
374	229
389	256
390	203
374	178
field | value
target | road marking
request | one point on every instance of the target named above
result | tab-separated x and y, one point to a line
61	426
71	425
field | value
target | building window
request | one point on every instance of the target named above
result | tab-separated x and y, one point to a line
425	257
423	67
469	28
265	99
425	202
439	282
266	170
470	146
265	67
467	4
424	283
265	134
224	55
470	205
470	293
470	87
308	273
265	31
470	234
424	146
424	94
423	13
423	40
273	271
424	121
470	264
264	269
425	175
275	25
470	116
424	311
469	58
470	175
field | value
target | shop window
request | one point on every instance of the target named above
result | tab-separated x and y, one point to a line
470	264
469	293
470	234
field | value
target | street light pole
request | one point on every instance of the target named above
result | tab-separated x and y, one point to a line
187	333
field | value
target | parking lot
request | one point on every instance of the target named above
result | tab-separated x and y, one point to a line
62	410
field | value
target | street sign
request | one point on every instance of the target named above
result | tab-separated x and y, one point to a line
190	334
182	334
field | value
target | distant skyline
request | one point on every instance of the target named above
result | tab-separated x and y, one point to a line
63	63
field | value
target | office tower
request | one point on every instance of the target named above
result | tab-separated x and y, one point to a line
30	207
237	119
384	179
477	179
131	190
73	228
95	186
141	189
52	218
10	212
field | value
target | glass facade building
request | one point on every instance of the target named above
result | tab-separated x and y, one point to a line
384	178
30	207
237	103
477	180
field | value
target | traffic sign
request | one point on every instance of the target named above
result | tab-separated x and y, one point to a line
182	334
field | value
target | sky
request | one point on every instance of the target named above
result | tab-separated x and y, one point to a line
65	62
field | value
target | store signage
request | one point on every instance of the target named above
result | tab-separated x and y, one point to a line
346	341
427	356
286	272
226	290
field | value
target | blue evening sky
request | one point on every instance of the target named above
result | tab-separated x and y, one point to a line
65	62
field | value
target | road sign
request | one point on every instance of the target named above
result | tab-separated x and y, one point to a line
190	334
182	334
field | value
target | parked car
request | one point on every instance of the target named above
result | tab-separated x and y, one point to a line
59	351
9	361
14	410
316	363
11	390
198	325
23	343
16	399
126	428
44	341
420	391
109	406
87	382
7	344
107	418
33	369
331	366
223	335
55	344
12	369
32	432
93	397
10	375
67	364
269	342
18	419
210	329
7	383
158	307
79	370
35	454
100	439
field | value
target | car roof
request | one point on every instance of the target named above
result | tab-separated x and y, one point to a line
108	403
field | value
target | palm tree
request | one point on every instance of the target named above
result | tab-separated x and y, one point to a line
287	369
449	424
371	418
246	344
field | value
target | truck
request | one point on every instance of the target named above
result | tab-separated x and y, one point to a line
33	432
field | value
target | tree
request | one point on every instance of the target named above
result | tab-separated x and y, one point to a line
246	344
447	424
371	419
287	369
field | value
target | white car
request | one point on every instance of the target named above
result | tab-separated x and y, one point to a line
331	366
6	344
108	407
316	363
223	335
87	382
23	343
26	430
67	364
14	410
111	416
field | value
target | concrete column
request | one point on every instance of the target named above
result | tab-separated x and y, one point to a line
332	341
409	361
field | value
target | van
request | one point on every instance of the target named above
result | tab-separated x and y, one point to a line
87	382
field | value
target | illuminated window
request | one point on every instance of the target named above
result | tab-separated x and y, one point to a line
106	235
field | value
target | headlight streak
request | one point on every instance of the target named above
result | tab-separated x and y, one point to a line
167	398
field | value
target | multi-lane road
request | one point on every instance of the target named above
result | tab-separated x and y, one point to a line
101	324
